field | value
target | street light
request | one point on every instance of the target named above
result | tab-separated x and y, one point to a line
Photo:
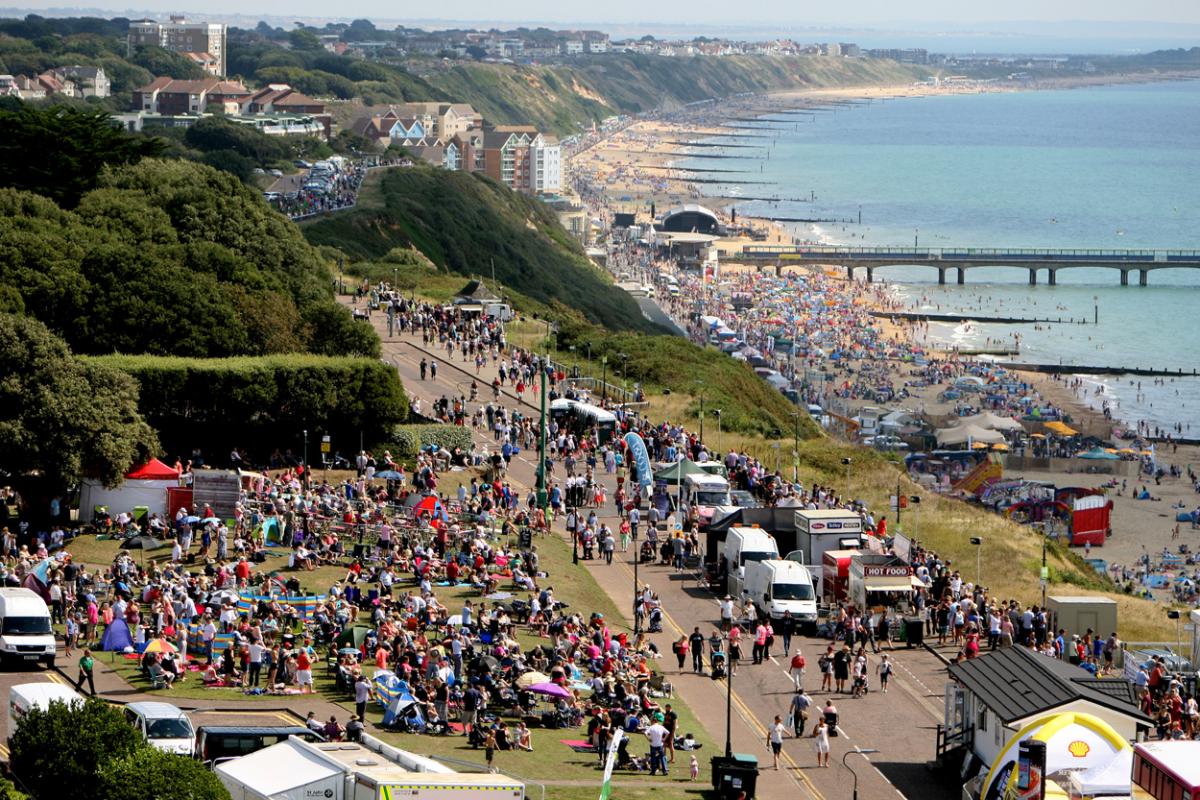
728	696
624	376
637	619
305	459
717	414
846	462
604	377
978	542
857	751
1095	310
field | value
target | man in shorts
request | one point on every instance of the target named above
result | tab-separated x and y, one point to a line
304	679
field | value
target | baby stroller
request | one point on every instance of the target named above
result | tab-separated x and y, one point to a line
656	620
718	665
646	553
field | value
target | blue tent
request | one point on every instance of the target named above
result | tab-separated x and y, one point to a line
117	637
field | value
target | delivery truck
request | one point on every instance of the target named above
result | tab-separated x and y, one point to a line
821	529
777	586
744	545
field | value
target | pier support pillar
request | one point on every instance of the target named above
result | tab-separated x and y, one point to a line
941	276
1124	277
1053	276
1033	277
870	275
962	276
1143	274
849	272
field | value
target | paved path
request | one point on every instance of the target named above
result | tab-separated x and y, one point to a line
901	724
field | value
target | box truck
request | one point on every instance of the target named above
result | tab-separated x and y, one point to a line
822	529
743	545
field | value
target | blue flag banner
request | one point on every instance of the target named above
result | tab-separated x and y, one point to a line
637	451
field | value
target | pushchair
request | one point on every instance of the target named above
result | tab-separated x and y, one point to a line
656	620
717	660
646	553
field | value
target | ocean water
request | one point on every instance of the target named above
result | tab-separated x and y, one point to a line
1109	167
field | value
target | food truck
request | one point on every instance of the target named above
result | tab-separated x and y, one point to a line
835	575
818	530
879	580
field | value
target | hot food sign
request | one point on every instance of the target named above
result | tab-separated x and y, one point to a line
893	571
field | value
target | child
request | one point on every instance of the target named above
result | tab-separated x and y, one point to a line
695	767
489	747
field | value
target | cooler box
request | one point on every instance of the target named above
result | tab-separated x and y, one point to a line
733	775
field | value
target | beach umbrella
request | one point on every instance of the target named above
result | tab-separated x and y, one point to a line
160	646
1000	448
352	637
498	596
549	689
210	520
455	621
487	663
143	542
348	651
979	446
388	475
191	520
531	679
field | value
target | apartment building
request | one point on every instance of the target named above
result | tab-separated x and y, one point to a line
170	97
204	42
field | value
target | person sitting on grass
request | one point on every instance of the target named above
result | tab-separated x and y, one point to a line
523	738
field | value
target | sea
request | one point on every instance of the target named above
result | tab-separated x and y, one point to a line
1097	168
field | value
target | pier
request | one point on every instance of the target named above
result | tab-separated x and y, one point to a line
1143	262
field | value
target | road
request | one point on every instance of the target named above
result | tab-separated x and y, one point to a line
900	724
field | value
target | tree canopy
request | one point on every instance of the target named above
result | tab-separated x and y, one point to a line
171	258
62	417
151	774
60	152
66	745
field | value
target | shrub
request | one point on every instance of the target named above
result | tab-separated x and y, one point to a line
150	774
409	439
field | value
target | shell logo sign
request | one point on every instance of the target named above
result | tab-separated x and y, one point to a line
1074	740
1079	749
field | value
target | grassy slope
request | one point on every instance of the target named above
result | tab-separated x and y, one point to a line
464	223
566	97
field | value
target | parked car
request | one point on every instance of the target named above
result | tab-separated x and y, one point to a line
300	163
275	173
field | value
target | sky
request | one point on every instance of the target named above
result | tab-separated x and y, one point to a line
886	14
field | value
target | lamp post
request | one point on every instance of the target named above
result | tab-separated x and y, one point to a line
624	376
701	385
572	349
1045	571
728	699
305	459
637	619
604	377
978	542
857	751
574	517
717	414
1095	309
542	496
847	461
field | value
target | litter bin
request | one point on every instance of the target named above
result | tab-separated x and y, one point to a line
731	776
914	631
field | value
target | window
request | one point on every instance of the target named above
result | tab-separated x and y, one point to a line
981	724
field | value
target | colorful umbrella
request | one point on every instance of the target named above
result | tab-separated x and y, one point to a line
549	689
533	679
160	646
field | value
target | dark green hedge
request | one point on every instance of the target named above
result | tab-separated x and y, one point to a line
265	402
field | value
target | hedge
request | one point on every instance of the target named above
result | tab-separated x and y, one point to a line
409	439
263	403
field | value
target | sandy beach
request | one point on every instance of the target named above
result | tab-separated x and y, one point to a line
630	170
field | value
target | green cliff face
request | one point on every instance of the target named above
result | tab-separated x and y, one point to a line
567	97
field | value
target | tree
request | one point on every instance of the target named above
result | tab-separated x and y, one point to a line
151	774
60	152
163	62
60	751
62	417
304	39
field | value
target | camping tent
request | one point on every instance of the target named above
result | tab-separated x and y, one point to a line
145	486
429	504
116	636
961	434
675	473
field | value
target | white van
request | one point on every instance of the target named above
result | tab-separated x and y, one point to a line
26	696
743	545
25	632
703	493
163	726
776	586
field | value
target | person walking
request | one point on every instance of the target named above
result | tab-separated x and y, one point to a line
362	693
86	666
801	703
786	629
796	669
884	668
696	640
657	736
681	650
609	545
775	740
820	737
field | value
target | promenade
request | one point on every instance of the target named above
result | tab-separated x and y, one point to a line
900	724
